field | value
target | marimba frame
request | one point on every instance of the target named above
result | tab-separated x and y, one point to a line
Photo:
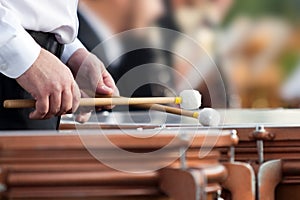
33	166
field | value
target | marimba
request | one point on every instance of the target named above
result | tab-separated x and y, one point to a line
114	164
268	142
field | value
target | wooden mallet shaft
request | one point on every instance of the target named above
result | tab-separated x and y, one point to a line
188	99
157	107
30	103
169	109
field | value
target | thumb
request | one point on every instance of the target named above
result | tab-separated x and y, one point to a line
105	84
103	89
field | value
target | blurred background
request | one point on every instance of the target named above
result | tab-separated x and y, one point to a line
251	48
264	61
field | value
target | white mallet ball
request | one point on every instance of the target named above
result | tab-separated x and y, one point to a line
191	99
209	117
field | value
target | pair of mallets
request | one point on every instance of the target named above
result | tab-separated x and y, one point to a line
188	100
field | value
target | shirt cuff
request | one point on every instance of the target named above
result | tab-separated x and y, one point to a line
70	50
18	54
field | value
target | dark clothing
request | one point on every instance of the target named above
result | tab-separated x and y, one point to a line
126	63
18	119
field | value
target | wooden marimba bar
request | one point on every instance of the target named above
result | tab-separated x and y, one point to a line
59	165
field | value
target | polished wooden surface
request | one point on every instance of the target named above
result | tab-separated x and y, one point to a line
281	141
59	165
36	159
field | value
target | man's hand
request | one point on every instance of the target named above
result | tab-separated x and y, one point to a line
52	85
91	75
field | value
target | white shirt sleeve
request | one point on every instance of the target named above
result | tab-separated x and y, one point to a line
18	50
70	49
